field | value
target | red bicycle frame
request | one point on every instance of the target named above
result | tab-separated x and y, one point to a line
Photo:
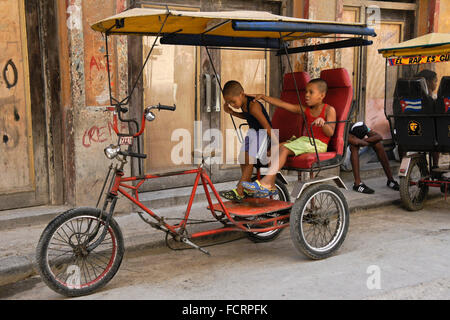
120	185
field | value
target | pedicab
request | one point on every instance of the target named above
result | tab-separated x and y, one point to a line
82	249
419	124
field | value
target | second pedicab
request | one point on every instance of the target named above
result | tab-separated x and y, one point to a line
419	121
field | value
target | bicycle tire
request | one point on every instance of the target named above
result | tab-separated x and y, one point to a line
415	202
259	237
299	215
58	229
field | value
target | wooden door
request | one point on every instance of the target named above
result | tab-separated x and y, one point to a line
350	60
170	77
250	69
389	33
23	164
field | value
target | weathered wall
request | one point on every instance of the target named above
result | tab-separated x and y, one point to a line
433	17
314	62
92	129
325	59
443	69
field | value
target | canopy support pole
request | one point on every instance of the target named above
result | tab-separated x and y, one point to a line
221	90
126	100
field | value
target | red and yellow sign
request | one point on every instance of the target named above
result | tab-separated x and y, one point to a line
419	59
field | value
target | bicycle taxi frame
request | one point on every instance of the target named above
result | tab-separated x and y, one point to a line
91	237
419	124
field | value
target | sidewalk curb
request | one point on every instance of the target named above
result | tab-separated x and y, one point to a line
18	268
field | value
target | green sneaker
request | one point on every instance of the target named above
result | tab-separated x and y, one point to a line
232	195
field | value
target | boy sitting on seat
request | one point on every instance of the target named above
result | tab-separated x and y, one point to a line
258	120
317	113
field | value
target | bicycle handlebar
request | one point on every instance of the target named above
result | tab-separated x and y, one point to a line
133	154
160	106
118	109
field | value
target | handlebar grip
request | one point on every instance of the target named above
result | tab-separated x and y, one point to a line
170	108
133	154
123	110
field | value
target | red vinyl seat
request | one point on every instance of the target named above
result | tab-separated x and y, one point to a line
340	94
290	124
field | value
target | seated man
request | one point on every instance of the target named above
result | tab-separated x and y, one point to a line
361	136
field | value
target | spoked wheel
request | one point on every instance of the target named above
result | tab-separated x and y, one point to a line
65	261
283	195
412	192
319	221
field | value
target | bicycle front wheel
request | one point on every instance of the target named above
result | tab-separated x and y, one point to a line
65	261
412	192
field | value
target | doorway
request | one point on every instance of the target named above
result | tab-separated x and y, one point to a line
23	153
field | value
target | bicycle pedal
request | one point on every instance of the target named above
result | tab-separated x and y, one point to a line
186	241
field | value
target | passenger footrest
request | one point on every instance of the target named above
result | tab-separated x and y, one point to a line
253	207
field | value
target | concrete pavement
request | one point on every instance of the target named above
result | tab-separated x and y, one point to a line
20	229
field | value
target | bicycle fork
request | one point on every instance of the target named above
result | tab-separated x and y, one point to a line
110	198
105	227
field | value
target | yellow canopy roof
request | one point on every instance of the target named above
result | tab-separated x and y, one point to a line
429	44
145	21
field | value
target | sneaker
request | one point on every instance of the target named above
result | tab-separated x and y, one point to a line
256	189
232	195
362	188
393	185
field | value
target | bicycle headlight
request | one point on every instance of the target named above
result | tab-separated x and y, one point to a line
149	116
112	151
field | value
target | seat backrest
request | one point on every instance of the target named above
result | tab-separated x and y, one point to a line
411	97
290	124
339	96
443	96
414	132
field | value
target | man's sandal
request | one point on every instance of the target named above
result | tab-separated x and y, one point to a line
232	195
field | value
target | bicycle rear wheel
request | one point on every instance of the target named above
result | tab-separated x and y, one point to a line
319	221
283	195
64	260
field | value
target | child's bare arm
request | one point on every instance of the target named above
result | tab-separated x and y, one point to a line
227	109
295	108
330	116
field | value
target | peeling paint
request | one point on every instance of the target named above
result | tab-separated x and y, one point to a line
74	22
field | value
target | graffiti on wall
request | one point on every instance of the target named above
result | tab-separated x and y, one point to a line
10	132
98	134
96	71
96	68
